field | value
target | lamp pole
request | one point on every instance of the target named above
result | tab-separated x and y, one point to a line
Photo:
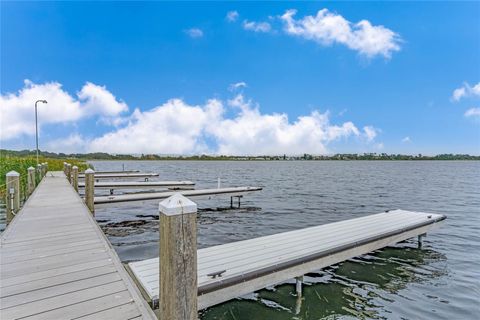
36	124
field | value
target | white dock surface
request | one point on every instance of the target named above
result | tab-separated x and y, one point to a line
138	184
256	263
57	264
204	193
121	175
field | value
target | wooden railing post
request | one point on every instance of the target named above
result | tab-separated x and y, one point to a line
178	256
65	168
90	189
46	167
69	172
75	178
30	180
13	194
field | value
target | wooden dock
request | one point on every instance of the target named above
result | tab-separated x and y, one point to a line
204	193
250	265
56	263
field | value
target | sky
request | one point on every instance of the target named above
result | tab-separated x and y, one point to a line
241	78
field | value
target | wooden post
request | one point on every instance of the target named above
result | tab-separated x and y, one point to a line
178	256
69	172
46	167
90	189
65	168
30	180
75	178
13	194
39	172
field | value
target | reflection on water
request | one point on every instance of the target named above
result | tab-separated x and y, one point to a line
439	281
357	288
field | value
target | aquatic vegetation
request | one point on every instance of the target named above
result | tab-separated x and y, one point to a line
21	164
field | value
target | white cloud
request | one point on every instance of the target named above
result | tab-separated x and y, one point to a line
172	128
406	139
17	110
178	128
194	33
72	144
370	132
328	28
256	26
473	113
232	16
466	91
236	86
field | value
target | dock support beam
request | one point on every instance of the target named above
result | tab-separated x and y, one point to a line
30	180
90	190
75	178
178	256
13	194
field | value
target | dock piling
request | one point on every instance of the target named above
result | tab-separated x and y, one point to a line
90	189
65	168
30	180
298	285
39	173
178	256
69	172
75	178
13	194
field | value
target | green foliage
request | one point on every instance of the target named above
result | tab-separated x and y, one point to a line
9	162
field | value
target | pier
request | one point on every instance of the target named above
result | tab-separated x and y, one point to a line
56	263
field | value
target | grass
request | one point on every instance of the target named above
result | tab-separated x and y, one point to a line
21	164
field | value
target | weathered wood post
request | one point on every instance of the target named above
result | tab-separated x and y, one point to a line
69	172
39	172
46	167
75	178
65	168
13	194
30	180
90	189
178	256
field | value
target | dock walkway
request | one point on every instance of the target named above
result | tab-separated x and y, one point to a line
56	263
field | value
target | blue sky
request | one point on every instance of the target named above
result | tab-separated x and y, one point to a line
159	77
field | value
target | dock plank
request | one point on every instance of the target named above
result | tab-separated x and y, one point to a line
57	264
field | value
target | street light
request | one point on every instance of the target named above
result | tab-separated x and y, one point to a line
36	124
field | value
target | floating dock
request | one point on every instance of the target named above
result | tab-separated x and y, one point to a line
112	172
121	175
235	269
56	263
138	184
205	193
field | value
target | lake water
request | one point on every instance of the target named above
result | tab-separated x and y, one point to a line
439	281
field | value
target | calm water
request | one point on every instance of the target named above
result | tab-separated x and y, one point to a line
439	281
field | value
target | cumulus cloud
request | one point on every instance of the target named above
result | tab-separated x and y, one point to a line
17	109
466	91
327	28
256	26
172	128
232	16
194	33
234	127
473	113
406	139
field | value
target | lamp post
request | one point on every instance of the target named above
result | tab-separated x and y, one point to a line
36	124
